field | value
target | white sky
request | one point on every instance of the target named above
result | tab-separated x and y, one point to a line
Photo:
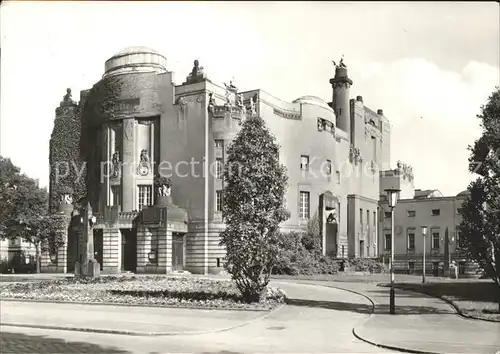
438	61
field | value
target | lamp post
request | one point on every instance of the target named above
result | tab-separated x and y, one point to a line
424	234
392	197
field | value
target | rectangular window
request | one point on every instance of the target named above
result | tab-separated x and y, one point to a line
388	242
154	247
218	201
435	240
304	205
219	168
145	196
411	241
410	213
361	216
337	174
115	195
436	212
367	217
328	167
219	143
304	162
374	148
374	218
387	214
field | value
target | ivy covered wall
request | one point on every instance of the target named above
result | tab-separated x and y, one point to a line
67	169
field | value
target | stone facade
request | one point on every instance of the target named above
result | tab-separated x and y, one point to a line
135	119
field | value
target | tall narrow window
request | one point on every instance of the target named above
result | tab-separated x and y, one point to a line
219	167
218	201
374	148
367	217
219	143
388	241
145	196
154	246
304	162
337	174
304	205
328	167
374	218
411	241
361	216
435	240
115	195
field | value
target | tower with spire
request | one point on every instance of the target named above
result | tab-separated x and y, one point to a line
340	100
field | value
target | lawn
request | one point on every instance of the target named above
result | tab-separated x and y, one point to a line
151	290
474	298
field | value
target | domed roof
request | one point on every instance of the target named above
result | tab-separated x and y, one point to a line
463	193
314	100
135	60
136	49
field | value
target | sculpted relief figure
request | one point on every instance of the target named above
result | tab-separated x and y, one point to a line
144	155
66	199
116	163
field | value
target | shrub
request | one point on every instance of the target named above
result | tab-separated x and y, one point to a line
366	265
4	266
295	259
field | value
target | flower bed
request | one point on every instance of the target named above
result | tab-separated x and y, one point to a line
154	290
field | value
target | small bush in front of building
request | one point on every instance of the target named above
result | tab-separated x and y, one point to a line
4	266
296	258
366	265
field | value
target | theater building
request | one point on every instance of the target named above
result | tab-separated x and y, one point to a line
135	124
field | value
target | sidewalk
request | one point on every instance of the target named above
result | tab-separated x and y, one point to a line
129	320
422	324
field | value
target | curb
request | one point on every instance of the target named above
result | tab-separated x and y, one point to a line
449	302
132	305
461	314
399	349
144	334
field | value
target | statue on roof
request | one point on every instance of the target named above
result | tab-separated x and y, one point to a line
196	74
67	98
340	64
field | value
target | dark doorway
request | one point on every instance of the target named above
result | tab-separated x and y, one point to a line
129	250
331	238
178	246
98	246
72	250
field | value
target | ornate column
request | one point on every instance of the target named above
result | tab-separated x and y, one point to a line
87	266
128	187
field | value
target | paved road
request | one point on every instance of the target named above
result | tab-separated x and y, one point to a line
320	320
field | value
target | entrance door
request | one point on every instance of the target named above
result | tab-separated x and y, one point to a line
72	250
129	250
178	251
98	246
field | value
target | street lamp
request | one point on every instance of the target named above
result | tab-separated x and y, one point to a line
424	234
392	197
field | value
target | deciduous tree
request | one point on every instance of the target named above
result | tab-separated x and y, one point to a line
253	207
25	213
480	226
